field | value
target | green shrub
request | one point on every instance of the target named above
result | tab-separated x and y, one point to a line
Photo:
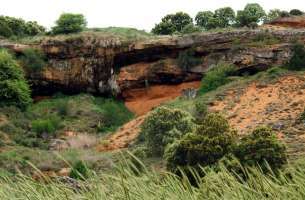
201	111
252	13
163	126
33	59
284	14
211	141
69	23
190	28
296	12
216	77
10	26
297	61
186	59
221	18
260	147
172	23
49	125
113	113
14	89
80	171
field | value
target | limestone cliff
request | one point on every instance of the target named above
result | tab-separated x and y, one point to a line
88	63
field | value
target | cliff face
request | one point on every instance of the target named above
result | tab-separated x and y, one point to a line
108	65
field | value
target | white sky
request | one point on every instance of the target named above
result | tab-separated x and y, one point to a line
141	14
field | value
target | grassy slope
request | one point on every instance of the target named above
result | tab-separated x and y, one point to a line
82	114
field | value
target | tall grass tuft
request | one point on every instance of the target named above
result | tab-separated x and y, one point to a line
124	183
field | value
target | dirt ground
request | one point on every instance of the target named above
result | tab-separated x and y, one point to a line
260	104
276	105
141	101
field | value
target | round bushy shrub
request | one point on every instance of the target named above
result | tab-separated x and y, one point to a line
172	23
211	141
260	147
46	126
163	126
252	13
14	89
69	23
296	12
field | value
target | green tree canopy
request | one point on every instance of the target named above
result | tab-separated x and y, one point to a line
226	16
252	13
10	26
272	15
203	17
296	12
69	23
172	23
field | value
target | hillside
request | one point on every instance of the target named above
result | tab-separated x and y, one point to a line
96	92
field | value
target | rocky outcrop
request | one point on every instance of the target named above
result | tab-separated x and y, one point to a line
96	64
293	22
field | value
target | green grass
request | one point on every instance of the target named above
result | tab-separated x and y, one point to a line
111	33
126	182
81	114
125	33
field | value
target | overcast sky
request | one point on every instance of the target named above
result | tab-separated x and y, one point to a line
141	14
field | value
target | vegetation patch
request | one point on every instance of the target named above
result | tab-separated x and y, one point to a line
14	89
163	126
186	59
33	59
215	77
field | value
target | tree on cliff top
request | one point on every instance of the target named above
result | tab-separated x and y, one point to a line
172	23
69	23
252	13
14	89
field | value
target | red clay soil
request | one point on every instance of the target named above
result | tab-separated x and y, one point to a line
141	101
291	22
261	104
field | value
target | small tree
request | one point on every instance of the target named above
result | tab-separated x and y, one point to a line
222	18
251	13
163	126
272	15
172	23
69	23
226	16
14	89
203	17
296	12
260	147
210	142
